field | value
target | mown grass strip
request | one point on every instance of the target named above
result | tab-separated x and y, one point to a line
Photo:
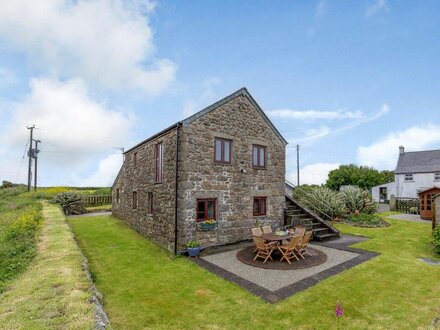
53	293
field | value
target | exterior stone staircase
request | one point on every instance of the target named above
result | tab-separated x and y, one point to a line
296	214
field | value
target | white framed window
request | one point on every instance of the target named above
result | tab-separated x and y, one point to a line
409	177
437	176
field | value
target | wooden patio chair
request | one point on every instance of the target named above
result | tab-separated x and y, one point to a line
266	229
290	251
299	231
257	232
264	250
302	247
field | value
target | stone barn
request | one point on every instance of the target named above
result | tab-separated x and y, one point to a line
226	163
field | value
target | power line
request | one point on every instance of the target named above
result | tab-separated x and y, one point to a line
21	163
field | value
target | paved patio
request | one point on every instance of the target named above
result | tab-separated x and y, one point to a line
409	217
275	285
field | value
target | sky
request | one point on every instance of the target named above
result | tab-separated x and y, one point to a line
349	81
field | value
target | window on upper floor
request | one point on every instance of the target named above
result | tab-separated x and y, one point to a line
222	151
409	177
259	207
206	209
135	200
159	163
437	176
118	197
135	159
259	156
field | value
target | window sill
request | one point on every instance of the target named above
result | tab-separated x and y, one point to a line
259	216
218	163
259	168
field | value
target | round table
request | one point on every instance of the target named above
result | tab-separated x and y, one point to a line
276	238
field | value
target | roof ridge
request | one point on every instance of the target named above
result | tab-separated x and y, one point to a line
408	152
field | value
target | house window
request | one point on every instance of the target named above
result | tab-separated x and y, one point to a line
159	163
135	159
258	156
260	206
206	209
223	151
437	176
408	177
150	203
135	200
117	196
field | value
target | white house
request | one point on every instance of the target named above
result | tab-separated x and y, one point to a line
415	171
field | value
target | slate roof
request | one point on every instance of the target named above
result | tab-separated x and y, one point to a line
242	91
418	162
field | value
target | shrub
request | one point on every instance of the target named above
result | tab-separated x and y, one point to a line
436	239
366	220
324	202
70	202
356	199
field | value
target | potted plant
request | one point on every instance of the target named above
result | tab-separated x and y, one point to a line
208	224
193	248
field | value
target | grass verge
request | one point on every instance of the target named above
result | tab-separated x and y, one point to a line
143	287
53	293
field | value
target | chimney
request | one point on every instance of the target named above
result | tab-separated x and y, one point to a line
401	150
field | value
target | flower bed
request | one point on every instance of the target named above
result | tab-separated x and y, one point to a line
365	220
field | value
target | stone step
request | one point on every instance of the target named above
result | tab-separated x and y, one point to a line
320	230
324	237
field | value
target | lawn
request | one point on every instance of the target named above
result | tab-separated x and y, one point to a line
144	287
53	292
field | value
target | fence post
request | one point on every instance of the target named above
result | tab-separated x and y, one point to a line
393	203
436	212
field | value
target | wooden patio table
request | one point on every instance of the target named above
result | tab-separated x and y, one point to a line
271	237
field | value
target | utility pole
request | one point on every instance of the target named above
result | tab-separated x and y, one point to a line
297	165
36	162
30	157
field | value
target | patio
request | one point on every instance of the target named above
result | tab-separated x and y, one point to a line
273	285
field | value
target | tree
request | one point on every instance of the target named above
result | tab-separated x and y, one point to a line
361	176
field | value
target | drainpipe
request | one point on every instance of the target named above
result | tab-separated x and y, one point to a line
176	187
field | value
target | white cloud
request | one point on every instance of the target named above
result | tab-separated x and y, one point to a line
71	125
316	134
377	6
312	135
106	173
314	114
320	8
313	173
192	105
383	153
106	42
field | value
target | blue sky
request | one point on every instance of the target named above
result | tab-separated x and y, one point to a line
349	81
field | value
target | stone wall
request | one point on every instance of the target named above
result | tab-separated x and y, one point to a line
235	185
158	225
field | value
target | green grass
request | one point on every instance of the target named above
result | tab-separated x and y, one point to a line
144	287
20	218
53	293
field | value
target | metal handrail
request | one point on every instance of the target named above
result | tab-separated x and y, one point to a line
311	197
